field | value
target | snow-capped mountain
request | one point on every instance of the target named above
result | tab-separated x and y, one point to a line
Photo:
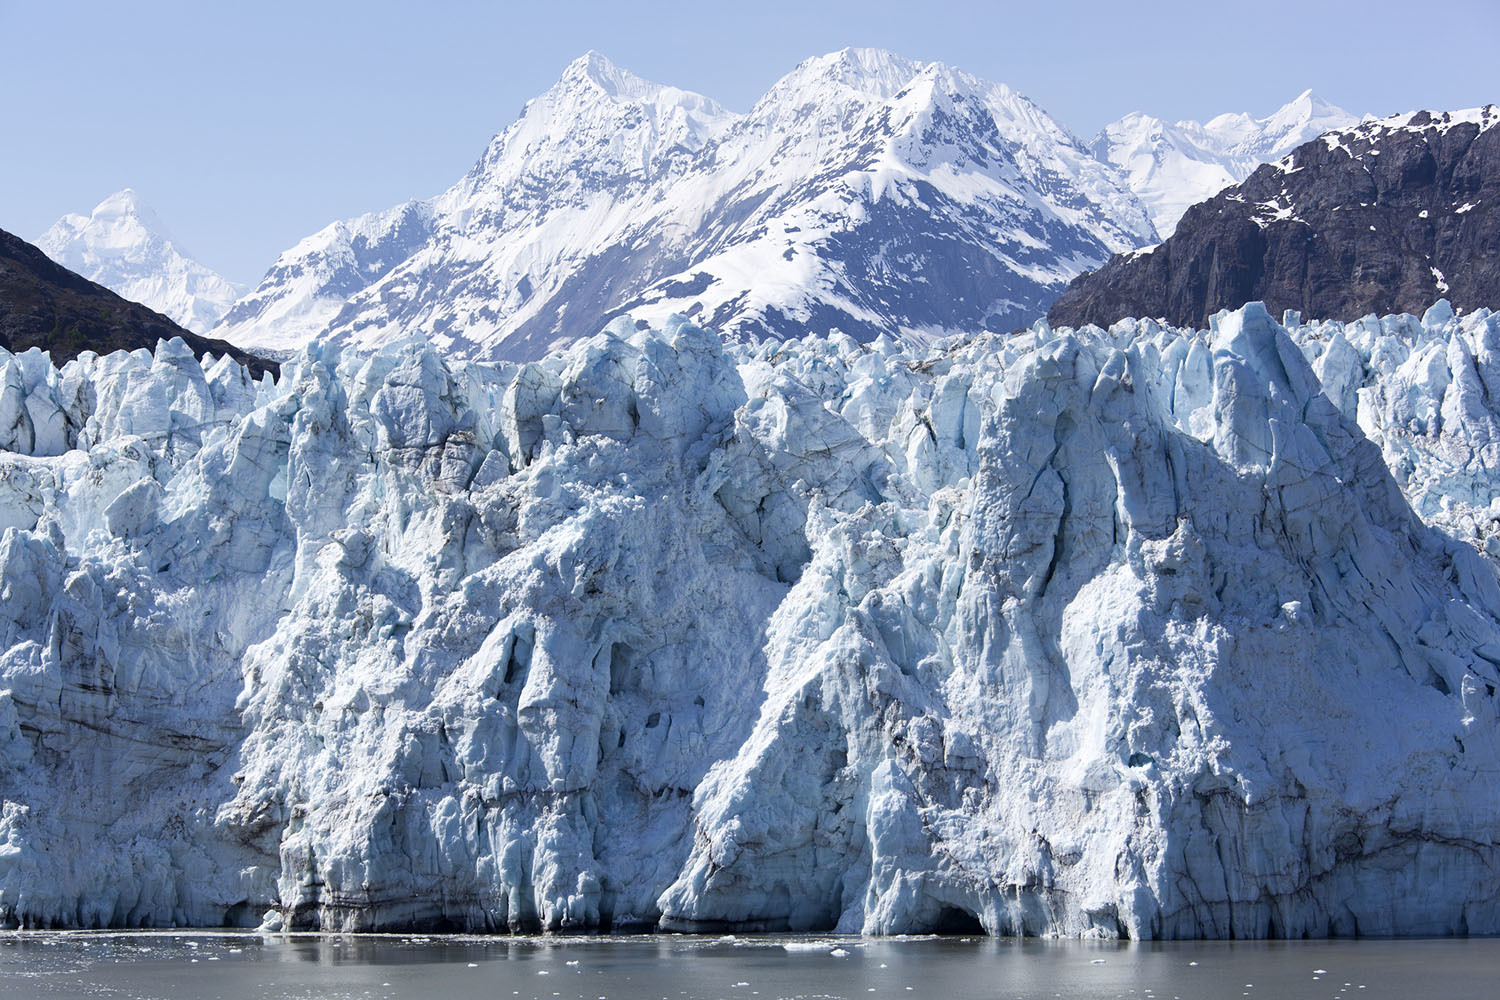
863	192
123	246
1171	166
1106	633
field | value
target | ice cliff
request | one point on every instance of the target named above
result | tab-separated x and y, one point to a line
1126	632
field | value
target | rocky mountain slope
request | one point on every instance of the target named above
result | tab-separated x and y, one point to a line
1123	633
1384	217
863	192
1171	166
44	305
123	246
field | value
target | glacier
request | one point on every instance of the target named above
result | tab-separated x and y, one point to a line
1140	632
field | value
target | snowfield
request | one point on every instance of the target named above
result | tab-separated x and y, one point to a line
1129	632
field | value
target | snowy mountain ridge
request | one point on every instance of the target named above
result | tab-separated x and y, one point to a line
1171	166
861	192
123	246
606	156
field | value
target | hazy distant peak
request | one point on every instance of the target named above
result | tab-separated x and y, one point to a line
123	245
118	225
1173	165
125	203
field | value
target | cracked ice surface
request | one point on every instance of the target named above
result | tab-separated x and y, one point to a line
1096	632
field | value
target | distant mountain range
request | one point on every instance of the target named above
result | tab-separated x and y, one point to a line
863	192
1383	217
122	245
1171	166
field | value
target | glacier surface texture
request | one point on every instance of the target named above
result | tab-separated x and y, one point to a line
1143	632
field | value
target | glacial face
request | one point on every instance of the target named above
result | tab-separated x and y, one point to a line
123	246
1172	166
1125	632
863	193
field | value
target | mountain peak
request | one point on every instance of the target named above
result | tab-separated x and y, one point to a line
122	245
787	219
123	201
117	225
1173	166
1306	99
597	107
593	75
874	72
1307	109
125	208
595	70
593	84
1316	102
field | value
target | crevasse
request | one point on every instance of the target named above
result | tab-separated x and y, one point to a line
1124	633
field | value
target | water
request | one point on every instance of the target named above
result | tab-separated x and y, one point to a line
227	966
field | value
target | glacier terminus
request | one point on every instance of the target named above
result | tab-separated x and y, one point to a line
1142	632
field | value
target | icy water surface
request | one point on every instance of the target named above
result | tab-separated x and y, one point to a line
242	966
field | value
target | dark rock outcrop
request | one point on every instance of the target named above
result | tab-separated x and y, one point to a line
1384	217
43	304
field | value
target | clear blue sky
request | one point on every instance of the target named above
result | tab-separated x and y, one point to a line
250	125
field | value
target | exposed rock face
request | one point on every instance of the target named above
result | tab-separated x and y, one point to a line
1125	632
1383	217
44	305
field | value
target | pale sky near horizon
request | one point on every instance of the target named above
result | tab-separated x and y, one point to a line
249	126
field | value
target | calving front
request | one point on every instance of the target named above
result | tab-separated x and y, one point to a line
1120	633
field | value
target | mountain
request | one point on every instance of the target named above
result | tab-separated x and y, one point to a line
123	246
1383	217
44	305
1123	633
1172	166
863	192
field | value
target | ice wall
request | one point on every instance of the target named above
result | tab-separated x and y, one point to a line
1125	632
